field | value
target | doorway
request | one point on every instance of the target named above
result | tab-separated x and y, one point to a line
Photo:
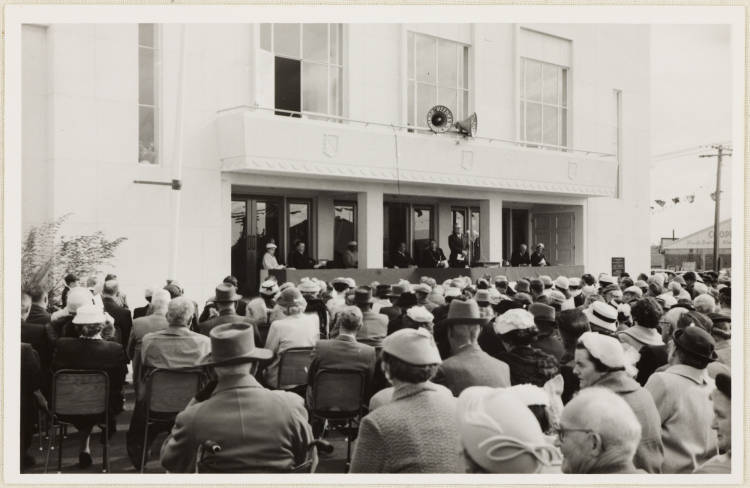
557	232
467	218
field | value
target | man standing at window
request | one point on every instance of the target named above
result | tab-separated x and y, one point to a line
299	259
538	258
458	243
349	258
520	256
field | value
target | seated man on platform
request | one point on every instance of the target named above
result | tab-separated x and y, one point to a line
259	431
349	258
400	258
299	259
433	257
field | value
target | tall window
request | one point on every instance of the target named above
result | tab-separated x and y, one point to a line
344	226
148	115
308	66
544	104
438	74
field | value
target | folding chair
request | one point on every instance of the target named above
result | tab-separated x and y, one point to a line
167	393
337	397
79	392
293	366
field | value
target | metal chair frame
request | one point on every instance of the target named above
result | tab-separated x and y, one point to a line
57	423
331	416
148	382
279	385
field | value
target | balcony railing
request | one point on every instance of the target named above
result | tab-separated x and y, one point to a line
418	130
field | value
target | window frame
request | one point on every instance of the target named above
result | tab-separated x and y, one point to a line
156	49
339	65
562	105
464	92
345	203
287	221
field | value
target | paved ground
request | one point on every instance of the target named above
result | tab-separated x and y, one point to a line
119	462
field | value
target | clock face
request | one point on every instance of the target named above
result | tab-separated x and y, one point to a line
439	118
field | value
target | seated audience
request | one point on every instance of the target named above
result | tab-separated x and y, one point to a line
139	312
39	302
114	305
144	325
374	325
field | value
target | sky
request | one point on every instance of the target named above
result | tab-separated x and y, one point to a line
690	107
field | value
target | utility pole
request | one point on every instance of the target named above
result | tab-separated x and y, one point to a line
719	153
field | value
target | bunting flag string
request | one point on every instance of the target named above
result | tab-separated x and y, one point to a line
663	204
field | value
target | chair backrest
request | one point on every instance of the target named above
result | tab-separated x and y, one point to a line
80	392
169	391
338	392
293	366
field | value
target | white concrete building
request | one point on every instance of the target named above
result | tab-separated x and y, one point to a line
560	156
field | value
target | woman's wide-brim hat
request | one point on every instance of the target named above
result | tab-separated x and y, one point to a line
234	344
463	312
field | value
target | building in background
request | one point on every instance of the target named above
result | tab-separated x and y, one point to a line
695	251
317	133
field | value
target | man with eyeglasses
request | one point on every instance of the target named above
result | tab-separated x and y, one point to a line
598	433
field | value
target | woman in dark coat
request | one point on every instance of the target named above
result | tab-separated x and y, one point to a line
91	351
528	364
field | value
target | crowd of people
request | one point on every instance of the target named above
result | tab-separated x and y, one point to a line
579	374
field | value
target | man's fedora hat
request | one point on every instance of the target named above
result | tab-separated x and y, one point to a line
234	344
696	342
363	296
225	293
397	290
464	312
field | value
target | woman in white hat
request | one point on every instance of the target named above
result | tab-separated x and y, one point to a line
416	431
91	351
269	258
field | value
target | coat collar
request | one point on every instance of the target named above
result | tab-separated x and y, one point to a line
346	338
696	375
409	389
618	381
236	381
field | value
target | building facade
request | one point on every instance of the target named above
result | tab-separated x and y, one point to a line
317	133
696	251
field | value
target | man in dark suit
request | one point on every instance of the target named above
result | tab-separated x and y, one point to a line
520	257
139	312
36	335
31	382
458	242
393	311
38	313
299	259
433	257
404	303
468	364
400	258
548	338
374	325
71	281
226	299
121	315
343	352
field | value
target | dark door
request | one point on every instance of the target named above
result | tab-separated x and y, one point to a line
262	223
395	228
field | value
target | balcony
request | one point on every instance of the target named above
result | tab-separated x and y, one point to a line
257	141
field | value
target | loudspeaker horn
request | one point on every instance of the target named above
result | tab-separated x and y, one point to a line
468	126
439	118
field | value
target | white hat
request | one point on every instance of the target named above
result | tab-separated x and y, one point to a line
588	290
420	315
514	319
351	282
530	394
422	288
700	288
269	287
452	291
500	279
674	286
494	296
607	350
606	278
271	245
562	283
574	282
89	314
669	300
634	290
352	243
602	315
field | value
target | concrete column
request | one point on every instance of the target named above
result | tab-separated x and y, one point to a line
370	229
491	229
325	219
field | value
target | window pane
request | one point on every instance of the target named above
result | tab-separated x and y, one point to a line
238	221
465	64
314	88
410	55
563	127
334	94
410	103
549	134
343	226
145	76
286	40
146	35
447	97
315	42
239	241
260	219
465	107
425	101
532	82
287	85
298	220
522	112
549	83
426	62
335	47
533	122
265	37
422	224
461	67
564	90
447	68
146	146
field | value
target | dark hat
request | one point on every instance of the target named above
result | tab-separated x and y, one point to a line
463	312
233	344
506	305
382	291
542	313
363	296
722	328
522	286
724	384
523	298
397	291
696	342
406	300
684	303
717	317
225	293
